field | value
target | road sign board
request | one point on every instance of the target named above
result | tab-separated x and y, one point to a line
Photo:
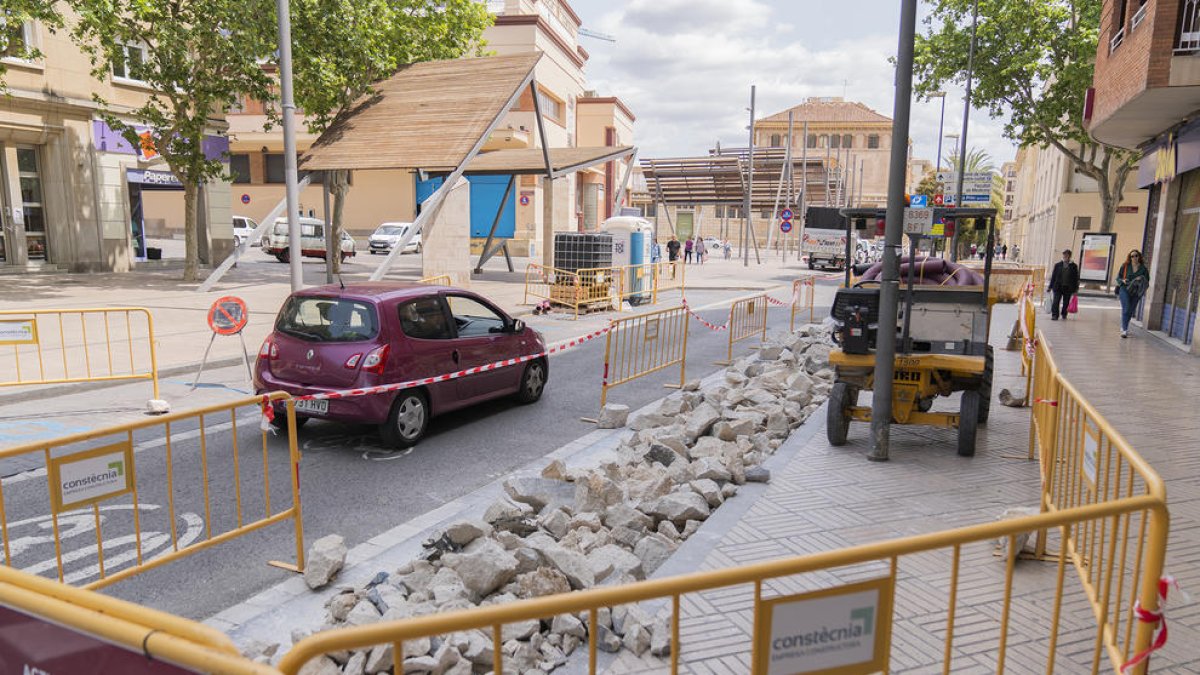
939	199
228	316
786	214
524	200
919	201
245	198
918	221
785	226
976	198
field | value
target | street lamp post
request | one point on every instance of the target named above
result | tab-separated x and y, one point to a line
962	151
941	122
889	289
288	109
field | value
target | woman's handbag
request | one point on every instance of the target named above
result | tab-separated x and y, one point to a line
1073	305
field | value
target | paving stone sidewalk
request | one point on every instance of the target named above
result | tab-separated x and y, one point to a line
826	498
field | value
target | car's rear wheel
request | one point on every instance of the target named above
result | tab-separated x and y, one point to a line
345	257
533	382
408	420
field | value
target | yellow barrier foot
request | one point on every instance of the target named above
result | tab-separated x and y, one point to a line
589	420
673	386
285	566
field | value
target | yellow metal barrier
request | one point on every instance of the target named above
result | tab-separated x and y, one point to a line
807	289
164	488
1027	319
1085	463
904	562
439	280
147	634
57	346
647	343
747	318
602	288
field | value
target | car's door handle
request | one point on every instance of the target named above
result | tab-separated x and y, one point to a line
455	355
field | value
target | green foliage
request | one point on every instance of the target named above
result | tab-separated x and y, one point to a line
13	16
1033	64
199	58
342	47
977	160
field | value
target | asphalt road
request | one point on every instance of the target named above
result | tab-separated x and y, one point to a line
350	484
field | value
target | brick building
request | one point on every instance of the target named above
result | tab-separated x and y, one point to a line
1147	98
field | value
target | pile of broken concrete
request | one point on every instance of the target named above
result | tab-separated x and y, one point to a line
574	529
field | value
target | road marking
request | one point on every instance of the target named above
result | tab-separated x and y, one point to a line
81	522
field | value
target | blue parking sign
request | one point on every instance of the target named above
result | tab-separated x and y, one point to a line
919	201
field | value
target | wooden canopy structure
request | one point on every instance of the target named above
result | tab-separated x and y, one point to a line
435	117
721	178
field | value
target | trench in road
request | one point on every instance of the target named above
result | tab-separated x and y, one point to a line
346	489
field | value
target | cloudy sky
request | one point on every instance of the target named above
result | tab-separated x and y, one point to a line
685	68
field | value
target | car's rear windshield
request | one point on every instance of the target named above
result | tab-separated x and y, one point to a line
318	319
393	229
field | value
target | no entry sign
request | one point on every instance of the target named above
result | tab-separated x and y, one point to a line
228	316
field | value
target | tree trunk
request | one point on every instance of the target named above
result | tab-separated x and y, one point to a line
1108	211
339	185
190	235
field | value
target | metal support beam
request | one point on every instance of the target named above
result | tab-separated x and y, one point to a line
330	249
748	230
889	291
625	182
541	127
266	225
487	245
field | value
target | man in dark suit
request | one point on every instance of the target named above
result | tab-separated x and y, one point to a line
1064	283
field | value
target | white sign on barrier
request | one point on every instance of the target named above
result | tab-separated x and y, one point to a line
91	476
918	221
844	630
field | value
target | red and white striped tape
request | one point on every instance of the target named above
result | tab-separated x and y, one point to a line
708	325
1158	618
387	388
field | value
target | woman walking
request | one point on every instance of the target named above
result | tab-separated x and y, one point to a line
1132	281
687	251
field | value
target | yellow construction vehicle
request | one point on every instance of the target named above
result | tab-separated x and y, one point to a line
941	338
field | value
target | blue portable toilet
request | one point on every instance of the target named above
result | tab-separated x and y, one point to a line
633	238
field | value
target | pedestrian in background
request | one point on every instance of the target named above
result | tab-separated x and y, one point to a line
687	250
701	250
655	252
728	249
1132	281
1004	252
1064	283
673	249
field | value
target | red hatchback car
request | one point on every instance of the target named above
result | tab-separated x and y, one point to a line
332	338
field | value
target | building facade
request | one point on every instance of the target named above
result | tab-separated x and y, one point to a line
1147	98
74	195
573	115
856	141
1054	206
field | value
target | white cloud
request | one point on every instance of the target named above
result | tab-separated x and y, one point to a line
685	68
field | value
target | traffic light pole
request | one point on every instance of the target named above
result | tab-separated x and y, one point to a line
889	291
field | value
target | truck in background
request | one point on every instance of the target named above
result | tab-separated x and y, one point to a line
825	248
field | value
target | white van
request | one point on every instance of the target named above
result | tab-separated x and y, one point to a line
312	240
243	227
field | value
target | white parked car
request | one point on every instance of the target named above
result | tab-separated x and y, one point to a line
243	227
312	240
712	243
387	235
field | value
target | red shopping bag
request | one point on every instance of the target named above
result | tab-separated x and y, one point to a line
1073	305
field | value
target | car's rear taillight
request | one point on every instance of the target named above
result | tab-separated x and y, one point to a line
352	362
268	350
375	360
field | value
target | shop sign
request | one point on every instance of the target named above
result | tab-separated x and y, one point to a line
151	177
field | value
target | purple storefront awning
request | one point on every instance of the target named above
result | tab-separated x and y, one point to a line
107	140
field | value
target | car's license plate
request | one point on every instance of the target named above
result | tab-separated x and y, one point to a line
318	407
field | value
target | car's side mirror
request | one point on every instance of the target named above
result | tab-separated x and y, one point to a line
517	326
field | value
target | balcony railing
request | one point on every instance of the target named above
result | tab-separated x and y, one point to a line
1189	27
1138	17
1116	40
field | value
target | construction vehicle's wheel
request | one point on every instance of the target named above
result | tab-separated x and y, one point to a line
985	387
968	423
837	416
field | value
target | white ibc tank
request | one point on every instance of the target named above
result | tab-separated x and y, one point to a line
633	239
